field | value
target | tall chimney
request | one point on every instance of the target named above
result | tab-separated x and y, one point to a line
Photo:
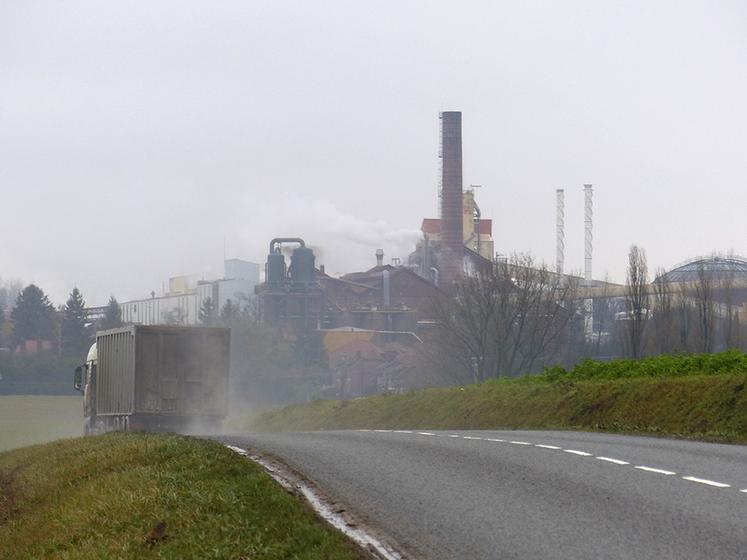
588	239
452	236
379	257
588	234
559	230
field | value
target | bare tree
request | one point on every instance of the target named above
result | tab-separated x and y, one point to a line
604	314
506	321
730	312
705	306
637	299
684	311
663	312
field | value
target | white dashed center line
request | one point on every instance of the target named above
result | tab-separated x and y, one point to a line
611	460
705	481
657	471
708	482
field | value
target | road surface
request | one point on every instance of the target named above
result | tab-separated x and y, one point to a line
529	495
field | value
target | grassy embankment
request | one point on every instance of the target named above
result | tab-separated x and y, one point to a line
145	496
701	396
29	419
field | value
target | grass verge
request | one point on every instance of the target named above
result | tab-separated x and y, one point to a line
710	407
151	496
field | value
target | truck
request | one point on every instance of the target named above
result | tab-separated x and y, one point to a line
155	378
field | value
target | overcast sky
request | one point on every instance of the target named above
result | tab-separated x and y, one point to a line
136	136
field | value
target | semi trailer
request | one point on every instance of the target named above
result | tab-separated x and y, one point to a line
155	378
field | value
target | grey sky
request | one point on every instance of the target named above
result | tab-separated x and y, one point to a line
134	137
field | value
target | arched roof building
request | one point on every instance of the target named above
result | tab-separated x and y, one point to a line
717	267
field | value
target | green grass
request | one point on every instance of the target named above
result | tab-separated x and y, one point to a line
665	365
709	404
29	419
102	497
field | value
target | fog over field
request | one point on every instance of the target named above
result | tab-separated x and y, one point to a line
139	139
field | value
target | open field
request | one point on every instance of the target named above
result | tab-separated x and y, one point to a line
29	419
144	496
670	396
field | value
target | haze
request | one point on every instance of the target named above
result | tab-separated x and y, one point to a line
137	141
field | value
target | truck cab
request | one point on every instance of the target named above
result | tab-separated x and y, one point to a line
85	382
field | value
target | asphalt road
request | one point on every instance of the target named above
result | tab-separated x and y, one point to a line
530	495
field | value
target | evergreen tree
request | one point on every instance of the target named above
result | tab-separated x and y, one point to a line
112	316
75	338
229	312
33	316
207	311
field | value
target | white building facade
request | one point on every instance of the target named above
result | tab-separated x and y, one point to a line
181	305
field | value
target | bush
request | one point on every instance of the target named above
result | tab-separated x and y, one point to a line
664	365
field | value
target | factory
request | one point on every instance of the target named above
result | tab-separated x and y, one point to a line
371	323
181	304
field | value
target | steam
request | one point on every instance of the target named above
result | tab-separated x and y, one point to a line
341	241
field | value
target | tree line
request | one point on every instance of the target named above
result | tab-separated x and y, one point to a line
519	317
29	322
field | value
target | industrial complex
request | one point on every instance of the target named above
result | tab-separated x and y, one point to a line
370	326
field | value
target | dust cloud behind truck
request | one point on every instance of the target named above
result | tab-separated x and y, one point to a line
159	378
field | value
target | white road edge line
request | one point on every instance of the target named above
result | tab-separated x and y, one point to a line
545	446
495	439
402	431
653	470
705	481
425	433
744	490
581	453
383	431
520	442
611	460
470	437
455	435
363	538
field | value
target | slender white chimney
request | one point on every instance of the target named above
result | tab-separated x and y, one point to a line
588	245
588	233
559	230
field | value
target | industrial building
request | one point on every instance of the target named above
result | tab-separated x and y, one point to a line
186	295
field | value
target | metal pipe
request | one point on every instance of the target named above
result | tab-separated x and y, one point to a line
286	240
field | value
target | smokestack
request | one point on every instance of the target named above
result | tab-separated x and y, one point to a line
379	257
452	236
588	239
559	230
588	234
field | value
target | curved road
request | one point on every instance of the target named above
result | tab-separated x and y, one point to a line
529	495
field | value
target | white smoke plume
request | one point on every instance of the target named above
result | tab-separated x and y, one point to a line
341	241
